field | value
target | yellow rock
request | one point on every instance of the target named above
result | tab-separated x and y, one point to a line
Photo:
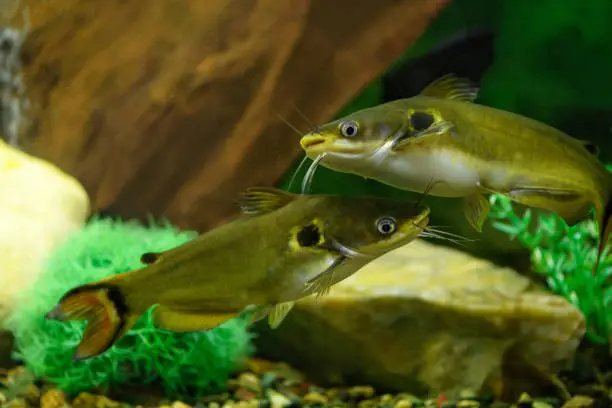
426	319
39	207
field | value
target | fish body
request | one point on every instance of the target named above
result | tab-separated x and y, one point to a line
468	150
283	248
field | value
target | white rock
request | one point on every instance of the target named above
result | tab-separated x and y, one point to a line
39	207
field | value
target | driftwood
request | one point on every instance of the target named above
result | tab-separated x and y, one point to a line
171	108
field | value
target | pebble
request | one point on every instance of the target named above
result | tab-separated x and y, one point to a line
409	397
16	403
53	399
468	394
361	391
579	401
315	398
369	403
178	404
277	399
541	404
250	381
404	404
268	380
88	400
243	394
468	404
33	395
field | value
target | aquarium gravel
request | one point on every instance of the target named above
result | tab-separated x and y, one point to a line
184	364
266	384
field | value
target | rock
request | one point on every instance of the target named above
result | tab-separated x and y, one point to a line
426	319
171	107
40	207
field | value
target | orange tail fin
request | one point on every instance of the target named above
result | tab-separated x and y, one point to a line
605	228
104	308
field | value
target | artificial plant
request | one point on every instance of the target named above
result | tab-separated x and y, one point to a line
565	256
187	365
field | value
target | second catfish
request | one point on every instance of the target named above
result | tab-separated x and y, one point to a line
468	150
284	247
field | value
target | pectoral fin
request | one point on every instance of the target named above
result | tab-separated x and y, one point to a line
278	314
412	138
183	321
322	282
260	312
476	208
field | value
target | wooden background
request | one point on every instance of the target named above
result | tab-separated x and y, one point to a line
170	108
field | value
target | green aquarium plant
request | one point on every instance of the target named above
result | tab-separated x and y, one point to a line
565	257
186	365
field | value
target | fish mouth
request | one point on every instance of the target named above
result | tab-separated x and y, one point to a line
415	228
316	144
309	141
422	223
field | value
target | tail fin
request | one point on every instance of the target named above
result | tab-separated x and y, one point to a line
605	228
103	306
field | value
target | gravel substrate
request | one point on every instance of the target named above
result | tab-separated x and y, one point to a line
276	385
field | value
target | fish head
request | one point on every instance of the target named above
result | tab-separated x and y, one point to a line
368	131
368	136
372	226
354	135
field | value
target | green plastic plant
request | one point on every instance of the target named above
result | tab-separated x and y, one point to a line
187	365
565	256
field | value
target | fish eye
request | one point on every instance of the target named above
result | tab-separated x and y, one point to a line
309	236
349	128
386	225
421	121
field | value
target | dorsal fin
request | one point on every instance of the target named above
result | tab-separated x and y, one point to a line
149	258
590	147
261	200
451	86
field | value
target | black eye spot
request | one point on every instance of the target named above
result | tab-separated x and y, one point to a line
386	225
349	128
591	148
149	258
309	236
421	121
